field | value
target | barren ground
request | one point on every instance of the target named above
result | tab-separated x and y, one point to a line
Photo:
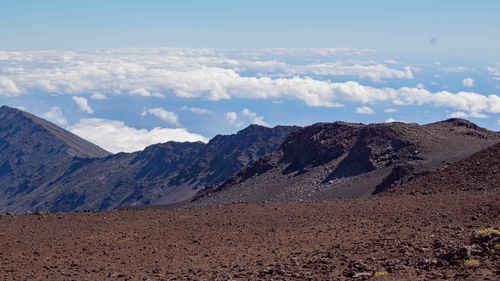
404	235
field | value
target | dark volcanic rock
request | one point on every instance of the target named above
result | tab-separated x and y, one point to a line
45	168
398	174
319	144
481	171
340	159
223	156
34	152
376	147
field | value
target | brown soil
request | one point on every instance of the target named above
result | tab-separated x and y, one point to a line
411	237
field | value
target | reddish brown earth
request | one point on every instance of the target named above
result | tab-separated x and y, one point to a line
444	225
412	237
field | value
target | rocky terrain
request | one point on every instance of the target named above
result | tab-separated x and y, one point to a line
346	160
440	226
161	174
46	168
404	237
34	152
479	172
433	214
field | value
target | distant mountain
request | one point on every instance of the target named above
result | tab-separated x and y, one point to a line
50	169
45	168
333	160
34	152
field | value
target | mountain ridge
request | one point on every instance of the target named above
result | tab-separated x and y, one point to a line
160	174
59	171
478	172
334	160
73	141
34	151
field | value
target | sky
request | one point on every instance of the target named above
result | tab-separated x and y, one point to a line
127	74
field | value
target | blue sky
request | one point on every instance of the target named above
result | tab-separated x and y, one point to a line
392	25
126	74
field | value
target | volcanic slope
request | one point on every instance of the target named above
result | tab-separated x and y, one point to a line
35	152
337	160
161	174
479	172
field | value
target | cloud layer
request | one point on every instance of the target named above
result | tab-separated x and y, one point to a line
218	75
168	84
116	136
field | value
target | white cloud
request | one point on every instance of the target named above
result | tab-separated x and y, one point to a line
98	96
83	104
458	114
376	72
156	72
307	51
468	82
8	87
55	115
116	136
232	118
478	115
253	117
464	101
217	75
247	116
364	110
196	110
390	110
390	120
391	61
143	92
463	115
162	114
495	72
218	84
420	86
455	69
